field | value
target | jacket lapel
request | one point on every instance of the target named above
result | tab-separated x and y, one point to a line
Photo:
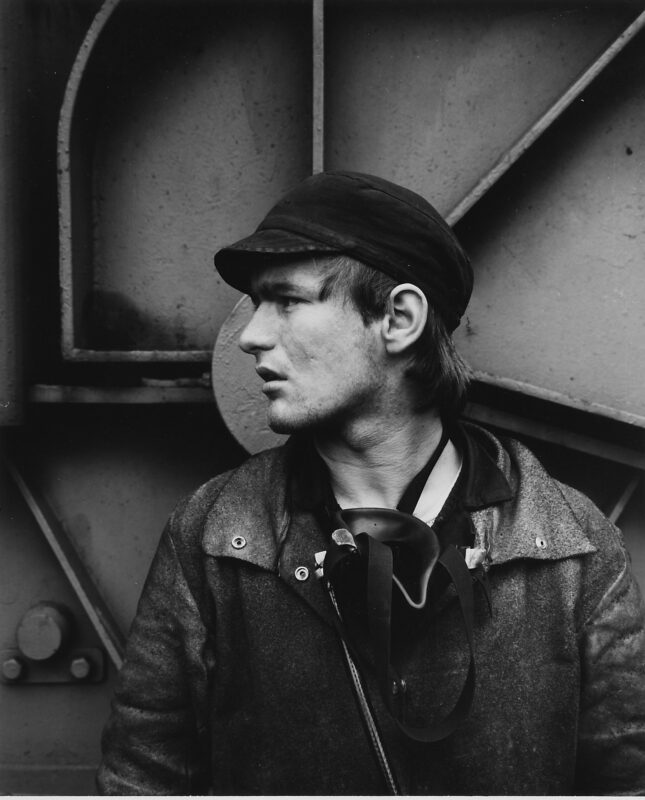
534	519
304	539
248	518
251	521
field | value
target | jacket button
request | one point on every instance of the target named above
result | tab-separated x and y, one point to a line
540	542
238	542
301	573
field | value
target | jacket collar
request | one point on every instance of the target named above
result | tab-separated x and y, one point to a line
267	508
248	519
535	521
254	520
485	481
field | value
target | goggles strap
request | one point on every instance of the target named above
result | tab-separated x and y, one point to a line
379	606
379	612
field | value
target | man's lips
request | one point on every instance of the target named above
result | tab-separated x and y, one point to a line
268	375
271	379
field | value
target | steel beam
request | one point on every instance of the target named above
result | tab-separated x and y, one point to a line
625	497
506	161
318	84
513	423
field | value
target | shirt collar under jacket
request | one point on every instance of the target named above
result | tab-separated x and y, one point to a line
482	482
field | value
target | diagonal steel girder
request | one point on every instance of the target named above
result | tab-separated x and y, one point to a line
76	572
554	112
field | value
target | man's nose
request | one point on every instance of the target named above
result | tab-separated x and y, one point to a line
257	335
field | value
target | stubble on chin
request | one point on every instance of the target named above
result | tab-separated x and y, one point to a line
288	425
322	426
298	421
280	426
282	423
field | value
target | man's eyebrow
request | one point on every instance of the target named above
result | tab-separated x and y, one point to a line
269	288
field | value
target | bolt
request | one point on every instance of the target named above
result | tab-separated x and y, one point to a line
80	668
43	631
12	669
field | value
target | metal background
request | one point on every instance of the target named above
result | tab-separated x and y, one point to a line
138	137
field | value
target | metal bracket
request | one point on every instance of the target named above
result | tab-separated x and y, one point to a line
89	596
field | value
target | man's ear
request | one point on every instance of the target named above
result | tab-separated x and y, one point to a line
405	318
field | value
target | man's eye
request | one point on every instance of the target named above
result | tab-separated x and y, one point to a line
287	300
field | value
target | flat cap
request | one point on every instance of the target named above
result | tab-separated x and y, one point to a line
386	226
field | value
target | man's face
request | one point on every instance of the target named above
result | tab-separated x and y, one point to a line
320	363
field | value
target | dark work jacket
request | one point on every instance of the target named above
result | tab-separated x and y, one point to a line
234	680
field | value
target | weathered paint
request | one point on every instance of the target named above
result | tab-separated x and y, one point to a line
214	125
431	95
558	254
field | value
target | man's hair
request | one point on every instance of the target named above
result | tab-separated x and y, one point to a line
440	374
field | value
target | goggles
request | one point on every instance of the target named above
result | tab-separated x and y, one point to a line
377	553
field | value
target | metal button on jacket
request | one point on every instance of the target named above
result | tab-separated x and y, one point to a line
301	573
238	542
540	542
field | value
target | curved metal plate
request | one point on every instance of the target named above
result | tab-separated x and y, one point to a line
237	387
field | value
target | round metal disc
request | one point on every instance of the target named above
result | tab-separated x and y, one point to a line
237	387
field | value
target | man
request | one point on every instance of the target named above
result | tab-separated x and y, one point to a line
394	602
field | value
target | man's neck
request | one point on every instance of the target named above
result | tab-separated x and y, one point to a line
372	464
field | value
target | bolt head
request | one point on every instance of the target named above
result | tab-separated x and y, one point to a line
12	669
80	668
43	631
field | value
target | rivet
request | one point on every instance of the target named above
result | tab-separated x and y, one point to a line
12	669
540	542
301	573
80	668
238	542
